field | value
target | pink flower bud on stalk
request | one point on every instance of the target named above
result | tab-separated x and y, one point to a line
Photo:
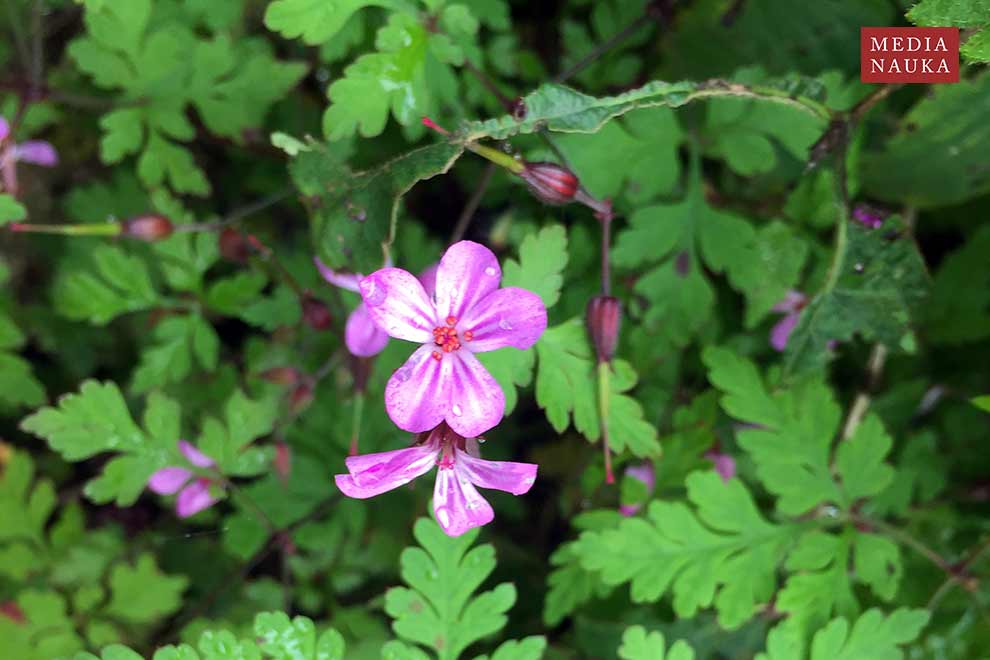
234	245
148	228
550	183
315	312
603	317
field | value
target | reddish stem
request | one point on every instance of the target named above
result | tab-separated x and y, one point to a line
429	123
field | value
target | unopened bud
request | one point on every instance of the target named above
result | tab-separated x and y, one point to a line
604	316
281	375
551	183
147	228
316	313
234	245
283	461
301	397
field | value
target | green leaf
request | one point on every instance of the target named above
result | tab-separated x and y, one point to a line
97	420
512	368
10	209
871	636
119	283
859	460
821	584
638	645
142	593
439	609
958	13
876	289
936	158
25	509
957	312
227	443
269	313
84	424
977	47
410	69
231	295
18	385
558	108
569	584
296	639
355	215
169	360
637	154
683	237
529	648
750	133
745	396
315	21
566	385
982	402
542	260
47	630
723	553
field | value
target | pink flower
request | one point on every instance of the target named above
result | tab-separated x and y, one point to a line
194	492
443	380
643	472
457	504
791	307
35	152
725	465
361	335
868	216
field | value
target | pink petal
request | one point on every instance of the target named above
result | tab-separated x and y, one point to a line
629	509
4	129
417	396
36	152
347	281
643	473
195	456
515	478
374	474
467	273
194	498
782	331
506	317
362	336
792	302
476	399
457	504
725	465
399	305
429	279
169	480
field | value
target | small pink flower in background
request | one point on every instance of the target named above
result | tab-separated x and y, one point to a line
867	216
643	472
35	152
443	380
361	335
457	504
725	465
194	492
791	307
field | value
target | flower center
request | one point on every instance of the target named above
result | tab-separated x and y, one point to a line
447	338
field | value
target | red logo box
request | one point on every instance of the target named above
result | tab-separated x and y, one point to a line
909	55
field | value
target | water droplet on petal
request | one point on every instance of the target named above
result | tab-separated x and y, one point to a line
504	324
402	375
457	410
490	271
481	441
374	293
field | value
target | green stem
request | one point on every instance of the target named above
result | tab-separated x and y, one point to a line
356	422
604	372
103	229
499	158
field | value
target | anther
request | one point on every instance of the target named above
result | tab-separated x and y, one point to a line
451	320
436	355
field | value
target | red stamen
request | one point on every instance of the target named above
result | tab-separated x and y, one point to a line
436	355
468	335
451	320
429	123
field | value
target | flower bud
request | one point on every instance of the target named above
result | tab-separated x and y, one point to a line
551	183
301	397
234	245
147	228
604	315
316	313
